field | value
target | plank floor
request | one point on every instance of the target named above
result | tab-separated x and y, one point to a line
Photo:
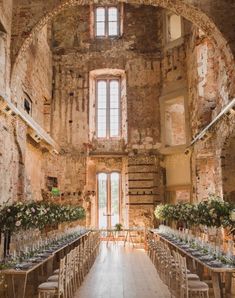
122	272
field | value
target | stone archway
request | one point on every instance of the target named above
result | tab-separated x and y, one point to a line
181	7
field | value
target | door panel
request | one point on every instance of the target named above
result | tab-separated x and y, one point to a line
108	199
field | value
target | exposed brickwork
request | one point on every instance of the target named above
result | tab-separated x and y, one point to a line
52	58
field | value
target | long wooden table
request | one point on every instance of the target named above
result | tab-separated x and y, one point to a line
216	272
17	279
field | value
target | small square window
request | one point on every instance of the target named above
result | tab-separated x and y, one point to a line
107	21
51	182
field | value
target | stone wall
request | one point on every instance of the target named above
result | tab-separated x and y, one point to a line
5	39
54	68
208	92
73	64
34	79
21	158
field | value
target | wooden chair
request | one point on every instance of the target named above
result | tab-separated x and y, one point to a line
56	288
191	288
69	275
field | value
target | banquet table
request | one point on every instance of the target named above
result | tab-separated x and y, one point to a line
17	280
216	272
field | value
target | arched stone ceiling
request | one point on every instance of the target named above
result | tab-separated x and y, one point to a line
214	17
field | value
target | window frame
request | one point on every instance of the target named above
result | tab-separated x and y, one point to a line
176	42
108	193
106	21
108	79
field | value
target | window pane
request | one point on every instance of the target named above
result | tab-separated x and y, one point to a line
114	108
114	129
113	21
101	108
115	184
114	94
100	21
100	14
113	28
102	198
100	29
113	14
174	30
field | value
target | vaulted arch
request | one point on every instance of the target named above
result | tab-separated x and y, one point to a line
36	19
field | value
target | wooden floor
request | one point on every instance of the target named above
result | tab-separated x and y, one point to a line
122	273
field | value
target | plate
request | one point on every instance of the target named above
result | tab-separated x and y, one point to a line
206	258
23	266
197	254
215	264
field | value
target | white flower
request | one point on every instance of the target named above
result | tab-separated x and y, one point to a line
33	210
232	215
18	223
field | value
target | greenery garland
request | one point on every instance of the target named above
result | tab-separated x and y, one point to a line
21	215
213	212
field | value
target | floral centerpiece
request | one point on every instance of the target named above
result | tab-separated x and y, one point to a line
37	215
213	212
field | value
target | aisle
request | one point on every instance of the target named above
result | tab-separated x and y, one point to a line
122	273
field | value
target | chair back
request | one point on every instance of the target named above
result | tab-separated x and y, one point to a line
61	282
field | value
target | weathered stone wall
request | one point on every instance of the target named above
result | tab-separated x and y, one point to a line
34	77
208	92
5	39
201	65
21	159
73	63
196	11
9	159
139	61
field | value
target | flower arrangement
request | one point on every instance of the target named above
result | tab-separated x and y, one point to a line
213	212
37	215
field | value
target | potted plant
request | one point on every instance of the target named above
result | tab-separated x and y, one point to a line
118	227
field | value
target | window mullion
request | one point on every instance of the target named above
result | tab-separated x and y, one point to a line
119	108
109	200
106	22
108	109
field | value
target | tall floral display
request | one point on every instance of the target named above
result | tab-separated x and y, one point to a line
35	215
213	212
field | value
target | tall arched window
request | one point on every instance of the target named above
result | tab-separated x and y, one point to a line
108	185
108	107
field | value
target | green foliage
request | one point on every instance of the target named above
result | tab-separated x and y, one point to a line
118	227
213	212
37	215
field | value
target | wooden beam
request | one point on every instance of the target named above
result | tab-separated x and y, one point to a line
7	107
